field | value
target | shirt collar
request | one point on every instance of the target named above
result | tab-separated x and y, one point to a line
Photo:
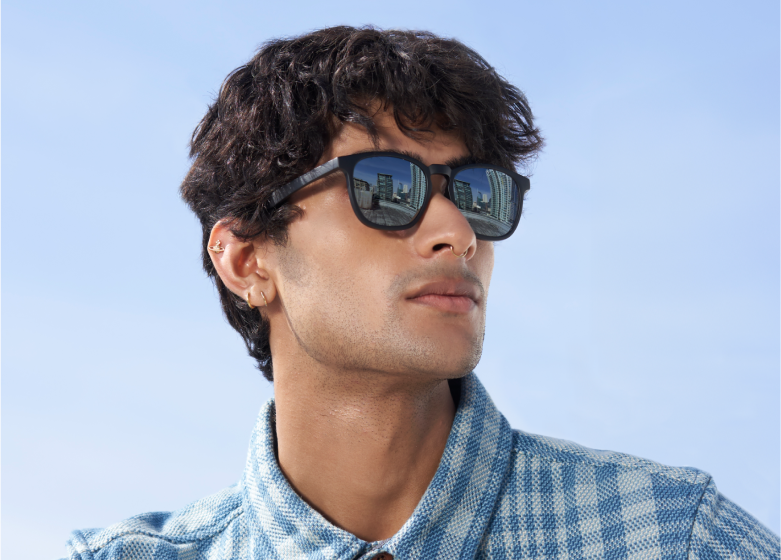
448	522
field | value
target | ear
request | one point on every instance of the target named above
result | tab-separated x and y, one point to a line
241	265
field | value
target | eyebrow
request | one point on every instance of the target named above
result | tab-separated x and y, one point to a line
452	163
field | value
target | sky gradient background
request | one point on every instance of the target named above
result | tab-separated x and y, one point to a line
635	309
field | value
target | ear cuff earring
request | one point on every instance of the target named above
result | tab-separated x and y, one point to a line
216	248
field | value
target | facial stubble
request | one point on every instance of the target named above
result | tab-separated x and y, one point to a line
331	325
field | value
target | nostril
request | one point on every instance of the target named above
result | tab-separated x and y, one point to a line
440	246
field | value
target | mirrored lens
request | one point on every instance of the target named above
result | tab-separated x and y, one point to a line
488	198
389	191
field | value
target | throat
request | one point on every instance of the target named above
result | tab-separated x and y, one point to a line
363	459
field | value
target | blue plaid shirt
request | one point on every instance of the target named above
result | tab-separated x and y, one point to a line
498	493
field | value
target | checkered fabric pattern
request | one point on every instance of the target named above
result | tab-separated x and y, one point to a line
498	494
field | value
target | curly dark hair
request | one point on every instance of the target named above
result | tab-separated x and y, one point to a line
275	116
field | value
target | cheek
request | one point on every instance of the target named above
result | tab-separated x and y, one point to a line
332	235
483	262
332	257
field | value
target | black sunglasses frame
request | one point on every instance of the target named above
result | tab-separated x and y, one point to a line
347	165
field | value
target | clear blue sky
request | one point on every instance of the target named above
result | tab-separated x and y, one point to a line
636	308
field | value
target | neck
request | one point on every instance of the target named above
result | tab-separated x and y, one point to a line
360	447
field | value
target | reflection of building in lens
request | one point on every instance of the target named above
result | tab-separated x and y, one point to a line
418	191
463	194
402	192
479	204
385	186
361	185
501	195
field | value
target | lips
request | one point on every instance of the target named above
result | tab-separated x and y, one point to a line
449	296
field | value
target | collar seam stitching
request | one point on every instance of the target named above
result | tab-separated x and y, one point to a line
173	540
498	477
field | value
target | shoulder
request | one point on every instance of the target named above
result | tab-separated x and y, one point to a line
535	451
722	529
216	520
589	503
606	490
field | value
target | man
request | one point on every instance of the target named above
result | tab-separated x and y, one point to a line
350	184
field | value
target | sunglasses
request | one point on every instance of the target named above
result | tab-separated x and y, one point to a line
390	191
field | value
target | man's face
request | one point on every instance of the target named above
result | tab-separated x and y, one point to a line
396	302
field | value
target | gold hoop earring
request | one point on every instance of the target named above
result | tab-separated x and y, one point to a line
216	248
459	256
248	303
264	299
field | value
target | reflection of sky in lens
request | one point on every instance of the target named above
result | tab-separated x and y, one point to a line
368	169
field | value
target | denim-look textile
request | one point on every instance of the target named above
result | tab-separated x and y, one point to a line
498	493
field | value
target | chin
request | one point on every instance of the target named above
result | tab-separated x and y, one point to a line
452	354
448	365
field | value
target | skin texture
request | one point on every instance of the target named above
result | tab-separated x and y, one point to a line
365	332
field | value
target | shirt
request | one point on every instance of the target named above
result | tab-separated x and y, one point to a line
498	493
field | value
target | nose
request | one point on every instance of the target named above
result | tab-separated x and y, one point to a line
444	226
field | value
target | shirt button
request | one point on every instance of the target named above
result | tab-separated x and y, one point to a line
383	556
